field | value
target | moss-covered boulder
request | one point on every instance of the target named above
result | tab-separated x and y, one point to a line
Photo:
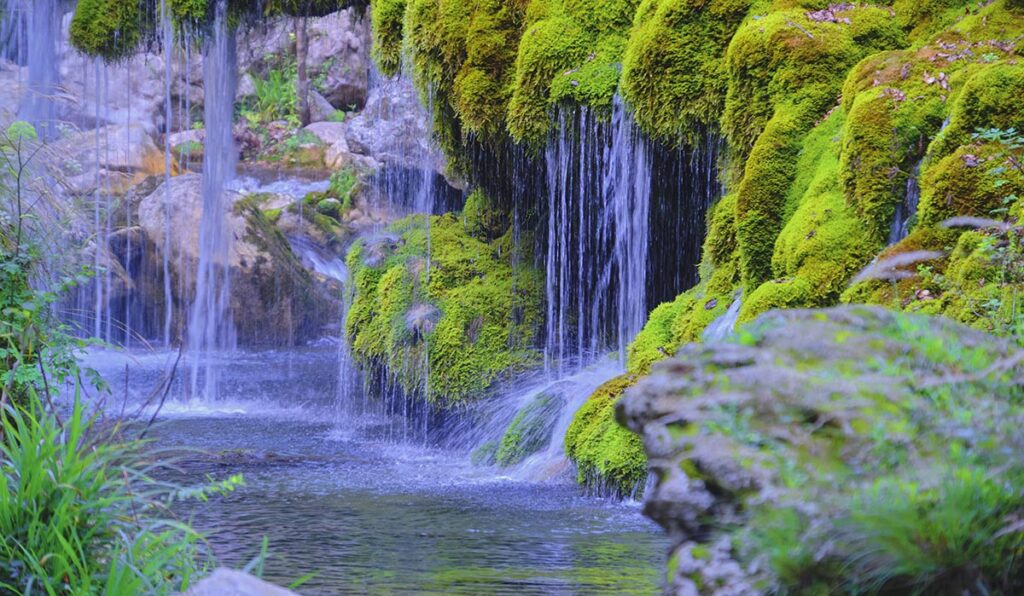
822	450
442	313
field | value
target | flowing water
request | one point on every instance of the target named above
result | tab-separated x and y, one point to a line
366	514
210	328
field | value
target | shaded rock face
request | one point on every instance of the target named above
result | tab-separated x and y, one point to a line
115	157
803	415
275	301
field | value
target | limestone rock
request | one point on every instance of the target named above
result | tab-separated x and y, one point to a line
228	582
274	299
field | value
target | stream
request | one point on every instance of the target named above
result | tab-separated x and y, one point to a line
363	512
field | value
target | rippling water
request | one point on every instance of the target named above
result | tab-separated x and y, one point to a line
367	515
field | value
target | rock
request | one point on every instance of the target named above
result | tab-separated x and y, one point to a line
329	133
338	60
393	128
116	156
246	87
320	110
837	398
132	91
228	582
274	299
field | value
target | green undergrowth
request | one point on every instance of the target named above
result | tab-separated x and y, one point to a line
460	311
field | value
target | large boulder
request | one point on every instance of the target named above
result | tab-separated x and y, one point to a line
852	449
275	300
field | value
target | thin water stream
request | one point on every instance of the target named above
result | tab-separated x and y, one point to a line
368	515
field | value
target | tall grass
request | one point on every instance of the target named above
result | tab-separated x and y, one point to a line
80	513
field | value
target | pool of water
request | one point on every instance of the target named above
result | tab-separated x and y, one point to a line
364	512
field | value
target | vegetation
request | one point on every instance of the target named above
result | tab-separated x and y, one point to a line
460	311
79	509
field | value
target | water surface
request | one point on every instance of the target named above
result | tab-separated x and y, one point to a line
351	503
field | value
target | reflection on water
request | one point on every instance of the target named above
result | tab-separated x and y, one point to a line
371	516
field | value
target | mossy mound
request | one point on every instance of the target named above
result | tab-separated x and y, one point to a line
108	29
820	450
673	68
447	323
609	458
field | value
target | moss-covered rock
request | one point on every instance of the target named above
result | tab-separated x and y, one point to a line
821	449
108	29
530	431
387	18
673	68
460	311
609	458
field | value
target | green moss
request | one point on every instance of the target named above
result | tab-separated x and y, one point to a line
779	293
606	454
673	69
482	218
548	47
961	184
107	29
387	17
824	242
657	338
990	99
471	316
785	71
530	430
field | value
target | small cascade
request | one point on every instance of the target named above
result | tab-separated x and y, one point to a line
906	210
723	326
210	328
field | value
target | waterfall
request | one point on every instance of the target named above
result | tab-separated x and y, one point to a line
37	47
906	209
167	30
602	224
210	326
723	326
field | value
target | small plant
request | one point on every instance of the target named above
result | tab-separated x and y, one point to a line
343	186
276	97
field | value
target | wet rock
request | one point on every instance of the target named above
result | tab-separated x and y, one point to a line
392	128
339	58
228	582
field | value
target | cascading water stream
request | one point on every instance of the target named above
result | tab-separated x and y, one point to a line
167	31
906	210
599	196
211	329
43	23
